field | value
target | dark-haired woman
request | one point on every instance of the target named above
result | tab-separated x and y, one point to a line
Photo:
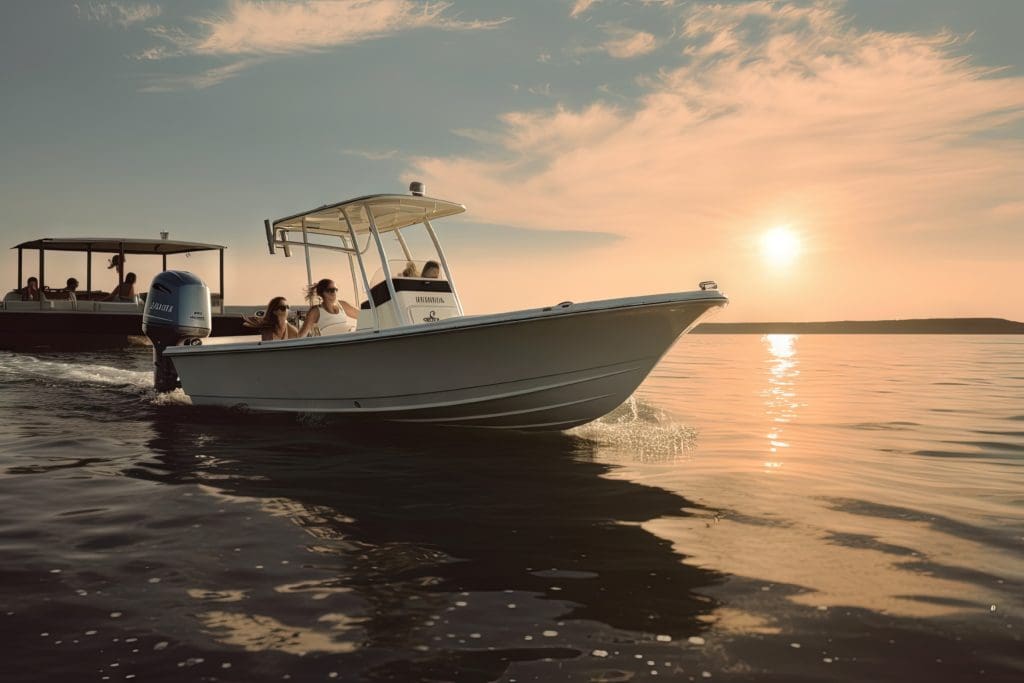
431	270
274	322
125	291
331	315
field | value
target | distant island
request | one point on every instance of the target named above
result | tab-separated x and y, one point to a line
917	326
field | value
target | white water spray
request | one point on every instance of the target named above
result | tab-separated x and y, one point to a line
639	431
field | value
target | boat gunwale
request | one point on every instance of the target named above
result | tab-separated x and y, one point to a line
714	297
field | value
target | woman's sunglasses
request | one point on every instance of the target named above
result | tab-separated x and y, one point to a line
282	308
331	290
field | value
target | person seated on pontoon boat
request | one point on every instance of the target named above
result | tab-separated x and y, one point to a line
30	292
70	290
431	270
273	324
331	315
411	270
125	291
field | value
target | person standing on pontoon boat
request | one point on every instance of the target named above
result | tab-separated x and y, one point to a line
117	261
274	322
331	315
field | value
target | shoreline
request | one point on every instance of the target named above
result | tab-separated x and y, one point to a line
911	326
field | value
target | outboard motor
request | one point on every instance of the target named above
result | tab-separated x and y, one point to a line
177	313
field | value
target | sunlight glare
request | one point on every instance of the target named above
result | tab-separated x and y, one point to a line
780	246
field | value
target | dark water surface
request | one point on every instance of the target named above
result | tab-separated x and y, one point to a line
833	508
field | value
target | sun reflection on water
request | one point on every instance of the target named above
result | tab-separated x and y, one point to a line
780	394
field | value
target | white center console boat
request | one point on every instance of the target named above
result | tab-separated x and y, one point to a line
413	356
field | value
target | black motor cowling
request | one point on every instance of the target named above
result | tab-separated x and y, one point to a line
177	313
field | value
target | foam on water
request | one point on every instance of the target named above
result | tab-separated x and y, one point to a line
29	368
170	398
34	368
640	431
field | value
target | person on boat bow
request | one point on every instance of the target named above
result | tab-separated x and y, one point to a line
331	315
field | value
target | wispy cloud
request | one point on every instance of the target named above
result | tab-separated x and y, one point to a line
199	81
371	155
867	139
580	7
279	28
118	13
249	32
625	43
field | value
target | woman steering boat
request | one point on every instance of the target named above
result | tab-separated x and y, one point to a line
332	315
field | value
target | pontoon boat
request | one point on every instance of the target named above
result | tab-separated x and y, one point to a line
88	318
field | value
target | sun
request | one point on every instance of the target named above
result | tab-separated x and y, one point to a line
780	246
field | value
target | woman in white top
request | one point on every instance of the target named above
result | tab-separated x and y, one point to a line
332	314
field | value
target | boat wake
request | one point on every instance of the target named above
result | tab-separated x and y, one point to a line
31	368
638	431
25	368
169	398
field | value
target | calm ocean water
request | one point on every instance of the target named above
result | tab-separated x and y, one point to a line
821	508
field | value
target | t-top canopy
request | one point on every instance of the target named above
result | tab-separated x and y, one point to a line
390	212
115	245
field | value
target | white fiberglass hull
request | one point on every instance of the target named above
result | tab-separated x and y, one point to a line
540	369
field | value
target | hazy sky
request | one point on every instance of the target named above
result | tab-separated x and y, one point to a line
603	148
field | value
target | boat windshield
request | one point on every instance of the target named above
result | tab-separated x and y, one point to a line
424	269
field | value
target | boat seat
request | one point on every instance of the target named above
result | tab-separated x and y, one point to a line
28	305
64	305
116	306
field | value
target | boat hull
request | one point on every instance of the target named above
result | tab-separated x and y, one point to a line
545	369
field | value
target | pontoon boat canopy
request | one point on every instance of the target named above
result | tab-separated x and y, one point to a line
114	245
390	212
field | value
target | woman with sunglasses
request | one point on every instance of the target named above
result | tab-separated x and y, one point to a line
274	322
331	315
